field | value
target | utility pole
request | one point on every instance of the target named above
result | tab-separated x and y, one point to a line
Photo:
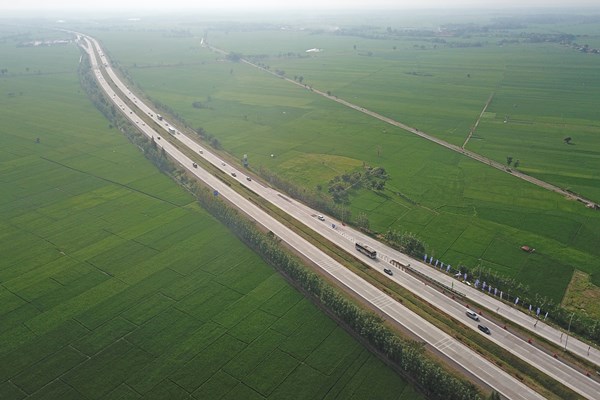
568	331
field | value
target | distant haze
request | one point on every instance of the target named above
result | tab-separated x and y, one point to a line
148	5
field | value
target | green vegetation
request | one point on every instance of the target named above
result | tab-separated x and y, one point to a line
116	284
467	213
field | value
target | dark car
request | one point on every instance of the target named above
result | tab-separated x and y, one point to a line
484	329
388	271
195	165
233	174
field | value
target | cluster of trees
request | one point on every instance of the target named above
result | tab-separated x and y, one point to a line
199	105
234	57
372	178
509	161
406	242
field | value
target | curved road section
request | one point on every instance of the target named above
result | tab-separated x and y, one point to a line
438	339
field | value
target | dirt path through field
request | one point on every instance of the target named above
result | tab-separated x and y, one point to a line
487	103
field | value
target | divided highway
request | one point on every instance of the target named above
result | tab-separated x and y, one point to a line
345	237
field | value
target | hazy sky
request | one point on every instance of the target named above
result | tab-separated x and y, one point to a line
284	4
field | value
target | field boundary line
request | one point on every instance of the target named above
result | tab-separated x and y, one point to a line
113	182
474	127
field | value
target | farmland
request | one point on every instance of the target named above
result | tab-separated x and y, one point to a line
116	284
467	213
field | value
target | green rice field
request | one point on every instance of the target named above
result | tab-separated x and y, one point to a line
115	284
467	213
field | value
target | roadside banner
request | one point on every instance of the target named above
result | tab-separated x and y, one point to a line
437	262
546	316
431	260
517	301
501	295
465	276
496	291
530	307
538	311
425	258
489	288
448	269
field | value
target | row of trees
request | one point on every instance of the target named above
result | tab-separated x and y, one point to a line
407	355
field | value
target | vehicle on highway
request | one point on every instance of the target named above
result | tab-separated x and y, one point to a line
172	131
472	314
201	152
223	164
321	218
484	329
366	250
195	165
248	178
388	271
160	118
233	174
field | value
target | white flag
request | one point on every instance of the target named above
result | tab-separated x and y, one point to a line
530	307
538	311
425	258
517	300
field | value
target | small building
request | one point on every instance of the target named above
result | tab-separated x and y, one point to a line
527	249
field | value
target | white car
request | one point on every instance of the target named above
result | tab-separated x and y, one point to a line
321	218
472	314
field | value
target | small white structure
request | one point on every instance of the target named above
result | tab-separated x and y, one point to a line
314	50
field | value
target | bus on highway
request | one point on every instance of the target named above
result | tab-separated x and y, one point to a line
366	250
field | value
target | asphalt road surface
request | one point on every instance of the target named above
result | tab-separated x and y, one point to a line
345	237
